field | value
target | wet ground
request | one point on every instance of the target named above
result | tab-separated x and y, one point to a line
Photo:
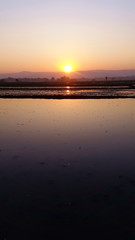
67	169
67	92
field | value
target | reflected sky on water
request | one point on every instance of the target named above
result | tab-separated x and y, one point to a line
63	92
82	131
69	163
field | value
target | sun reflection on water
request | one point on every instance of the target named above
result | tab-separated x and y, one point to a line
68	90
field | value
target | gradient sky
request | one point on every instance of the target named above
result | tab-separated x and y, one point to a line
43	35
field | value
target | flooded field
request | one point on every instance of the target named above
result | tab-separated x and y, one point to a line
67	92
67	168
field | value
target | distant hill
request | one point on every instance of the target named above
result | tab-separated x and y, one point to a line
80	74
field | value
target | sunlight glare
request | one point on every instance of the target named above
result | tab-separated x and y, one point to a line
67	68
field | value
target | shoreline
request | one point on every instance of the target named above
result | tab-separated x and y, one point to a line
64	83
66	97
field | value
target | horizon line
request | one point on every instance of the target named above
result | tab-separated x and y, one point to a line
23	71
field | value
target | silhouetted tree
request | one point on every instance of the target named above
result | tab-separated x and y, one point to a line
52	79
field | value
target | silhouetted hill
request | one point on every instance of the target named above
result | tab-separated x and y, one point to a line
90	74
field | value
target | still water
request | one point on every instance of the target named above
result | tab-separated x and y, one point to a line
69	164
67	92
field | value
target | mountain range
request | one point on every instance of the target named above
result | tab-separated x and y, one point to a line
78	74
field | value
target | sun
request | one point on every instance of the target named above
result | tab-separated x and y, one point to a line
67	68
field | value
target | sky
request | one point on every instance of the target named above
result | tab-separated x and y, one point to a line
44	35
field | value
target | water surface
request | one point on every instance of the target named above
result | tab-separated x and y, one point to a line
67	167
67	92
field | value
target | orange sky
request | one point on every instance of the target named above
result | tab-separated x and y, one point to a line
45	35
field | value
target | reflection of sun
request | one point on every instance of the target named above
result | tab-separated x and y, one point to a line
68	90
67	68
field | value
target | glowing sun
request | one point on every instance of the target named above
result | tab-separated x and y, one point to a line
67	68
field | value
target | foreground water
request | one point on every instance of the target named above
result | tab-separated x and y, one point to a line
67	169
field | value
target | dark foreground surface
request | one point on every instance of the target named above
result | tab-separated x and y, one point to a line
67	93
67	169
68	89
